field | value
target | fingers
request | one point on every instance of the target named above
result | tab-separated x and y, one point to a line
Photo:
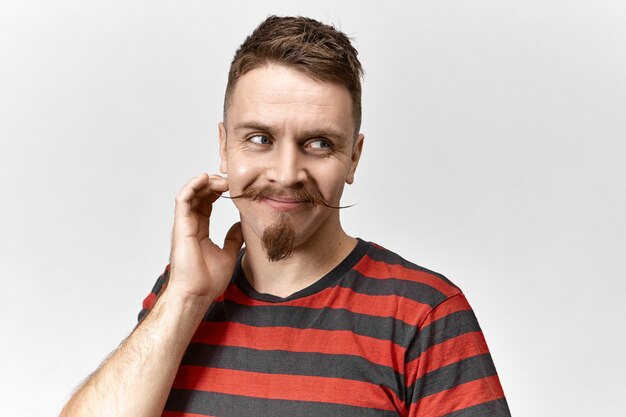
210	189
233	240
203	187
200	190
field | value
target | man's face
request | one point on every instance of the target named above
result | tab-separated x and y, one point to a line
286	131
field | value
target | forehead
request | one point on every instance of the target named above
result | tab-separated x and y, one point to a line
288	99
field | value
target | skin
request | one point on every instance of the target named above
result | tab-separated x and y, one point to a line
286	130
279	126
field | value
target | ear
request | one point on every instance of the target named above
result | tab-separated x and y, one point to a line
357	148
222	136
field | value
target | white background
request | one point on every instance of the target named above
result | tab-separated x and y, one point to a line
494	154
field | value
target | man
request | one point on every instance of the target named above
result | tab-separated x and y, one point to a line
305	320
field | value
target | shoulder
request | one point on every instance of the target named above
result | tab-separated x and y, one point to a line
398	288
387	266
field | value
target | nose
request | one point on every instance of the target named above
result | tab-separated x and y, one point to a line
286	167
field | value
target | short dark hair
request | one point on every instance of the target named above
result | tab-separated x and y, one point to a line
318	50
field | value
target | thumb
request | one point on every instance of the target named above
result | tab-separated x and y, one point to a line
233	240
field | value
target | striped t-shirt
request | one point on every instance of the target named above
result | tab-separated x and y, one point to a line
377	336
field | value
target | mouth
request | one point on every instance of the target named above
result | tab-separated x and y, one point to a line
285	199
298	197
283	203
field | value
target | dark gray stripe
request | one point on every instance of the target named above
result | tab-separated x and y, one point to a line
156	289
224	405
392	258
326	281
439	331
450	376
383	328
294	363
416	291
497	408
142	314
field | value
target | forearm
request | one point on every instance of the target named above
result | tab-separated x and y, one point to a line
136	379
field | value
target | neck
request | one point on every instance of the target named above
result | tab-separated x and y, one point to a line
310	260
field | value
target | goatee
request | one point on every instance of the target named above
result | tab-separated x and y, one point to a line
278	239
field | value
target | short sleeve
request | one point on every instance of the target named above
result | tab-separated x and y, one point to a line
154	294
448	369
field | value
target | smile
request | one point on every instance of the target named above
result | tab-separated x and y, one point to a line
283	203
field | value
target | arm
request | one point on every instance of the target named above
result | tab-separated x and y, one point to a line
136	379
449	370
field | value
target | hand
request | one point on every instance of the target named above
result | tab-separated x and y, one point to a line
199	268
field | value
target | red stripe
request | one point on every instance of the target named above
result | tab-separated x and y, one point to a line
338	342
451	305
404	309
381	270
149	301
460	397
286	387
446	353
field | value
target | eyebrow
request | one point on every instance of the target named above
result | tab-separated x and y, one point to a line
253	126
263	127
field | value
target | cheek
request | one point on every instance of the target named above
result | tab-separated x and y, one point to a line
242	170
331	183
239	167
239	174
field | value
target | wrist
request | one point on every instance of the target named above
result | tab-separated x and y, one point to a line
185	303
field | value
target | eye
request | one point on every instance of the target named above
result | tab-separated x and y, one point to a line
260	139
320	144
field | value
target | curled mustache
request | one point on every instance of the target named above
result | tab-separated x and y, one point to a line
301	193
